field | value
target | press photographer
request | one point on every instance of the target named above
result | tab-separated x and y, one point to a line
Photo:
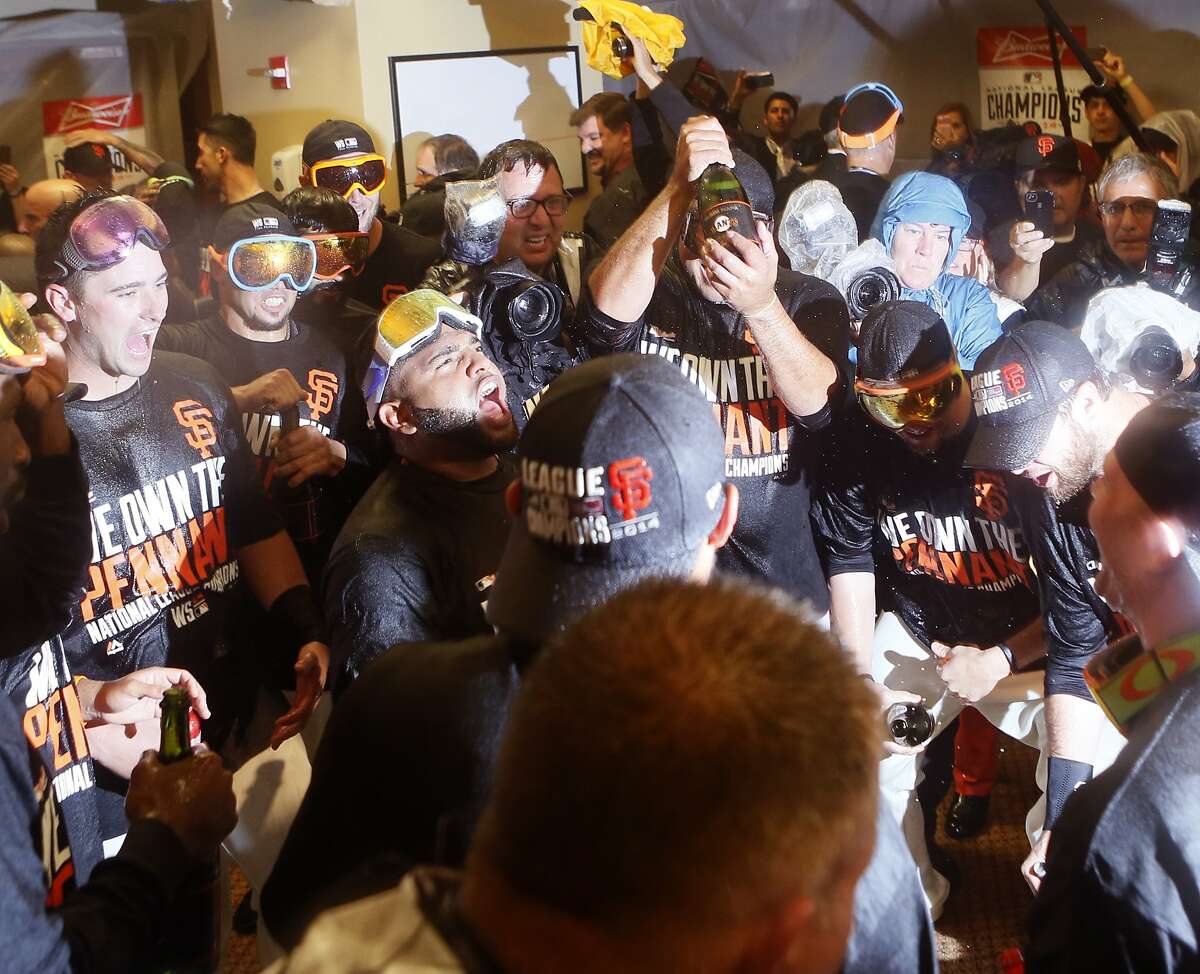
1146	341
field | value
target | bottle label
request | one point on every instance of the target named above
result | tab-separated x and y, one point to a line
194	737
729	216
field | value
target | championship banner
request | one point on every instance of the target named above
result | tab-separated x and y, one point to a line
1016	79
119	114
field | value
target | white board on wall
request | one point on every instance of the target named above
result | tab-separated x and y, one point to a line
489	97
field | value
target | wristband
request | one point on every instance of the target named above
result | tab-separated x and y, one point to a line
1008	655
1126	81
1062	779
297	617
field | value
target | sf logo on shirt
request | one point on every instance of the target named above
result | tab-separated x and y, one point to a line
197	419
323	392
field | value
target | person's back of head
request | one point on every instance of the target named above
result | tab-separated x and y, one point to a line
690	774
452	153
234	133
867	126
315	209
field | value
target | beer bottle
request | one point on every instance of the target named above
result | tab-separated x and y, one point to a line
723	204
299	505
192	942
910	724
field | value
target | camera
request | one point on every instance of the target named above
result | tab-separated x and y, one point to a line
516	300
870	288
1168	238
1155	361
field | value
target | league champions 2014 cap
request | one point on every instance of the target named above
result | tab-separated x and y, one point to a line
622	471
335	137
1018	385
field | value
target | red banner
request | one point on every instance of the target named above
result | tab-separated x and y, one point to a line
1024	47
110	112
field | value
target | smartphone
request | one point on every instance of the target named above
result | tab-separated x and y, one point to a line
759	79
5	155
1168	237
1039	210
1096	53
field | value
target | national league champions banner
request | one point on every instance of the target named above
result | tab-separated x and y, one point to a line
1016	79
119	114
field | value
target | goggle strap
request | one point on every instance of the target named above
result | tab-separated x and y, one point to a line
895	389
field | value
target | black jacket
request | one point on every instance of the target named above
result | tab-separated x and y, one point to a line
1064	298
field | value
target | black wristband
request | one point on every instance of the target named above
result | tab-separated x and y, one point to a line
1008	655
1062	778
297	617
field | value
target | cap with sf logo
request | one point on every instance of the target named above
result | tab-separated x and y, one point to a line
1018	385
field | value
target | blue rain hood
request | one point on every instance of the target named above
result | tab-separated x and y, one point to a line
922	197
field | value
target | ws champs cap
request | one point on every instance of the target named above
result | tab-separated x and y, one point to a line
622	467
245	220
1018	385
335	137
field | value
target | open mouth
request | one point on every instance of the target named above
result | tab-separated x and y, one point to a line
537	243
140	343
491	400
274	302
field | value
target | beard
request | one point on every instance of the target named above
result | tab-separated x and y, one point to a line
1081	463
461	428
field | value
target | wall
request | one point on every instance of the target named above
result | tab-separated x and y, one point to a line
322	48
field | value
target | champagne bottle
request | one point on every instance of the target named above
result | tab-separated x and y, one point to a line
723	204
191	943
299	505
910	724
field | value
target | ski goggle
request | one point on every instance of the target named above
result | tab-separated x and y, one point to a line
259	263
895	405
18	334
869	139
367	173
106	232
338	252
405	325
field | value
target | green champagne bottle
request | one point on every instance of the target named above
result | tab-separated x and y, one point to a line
723	204
176	726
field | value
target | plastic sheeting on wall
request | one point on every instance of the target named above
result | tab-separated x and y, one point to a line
98	61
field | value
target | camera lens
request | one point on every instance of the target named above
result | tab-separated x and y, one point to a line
534	311
1155	361
872	287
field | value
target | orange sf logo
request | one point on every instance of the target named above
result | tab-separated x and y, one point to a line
324	387
197	420
991	496
631	477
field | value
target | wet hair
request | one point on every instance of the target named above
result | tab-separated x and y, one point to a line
609	107
518	152
53	236
315	209
452	153
235	133
1139	164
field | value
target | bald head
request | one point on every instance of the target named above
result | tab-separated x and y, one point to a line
42	199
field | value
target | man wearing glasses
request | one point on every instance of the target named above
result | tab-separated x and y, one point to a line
1128	191
341	156
936	548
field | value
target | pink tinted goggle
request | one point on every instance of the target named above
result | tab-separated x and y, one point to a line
106	232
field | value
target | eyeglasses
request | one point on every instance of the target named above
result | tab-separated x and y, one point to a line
338	252
106	232
404	326
895	405
524	208
18	334
259	263
367	173
1143	209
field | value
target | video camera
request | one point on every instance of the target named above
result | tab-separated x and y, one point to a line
867	278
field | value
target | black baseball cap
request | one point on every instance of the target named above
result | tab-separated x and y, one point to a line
1018	385
1159	453
245	220
334	137
88	159
622	467
1047	151
870	113
755	181
1095	91
901	340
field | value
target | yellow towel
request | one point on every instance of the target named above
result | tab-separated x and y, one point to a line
662	33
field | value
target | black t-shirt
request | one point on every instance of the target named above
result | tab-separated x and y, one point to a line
862	192
396	267
173	497
770	455
1055	259
422	730
1120	892
612	212
1079	623
414	562
944	542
